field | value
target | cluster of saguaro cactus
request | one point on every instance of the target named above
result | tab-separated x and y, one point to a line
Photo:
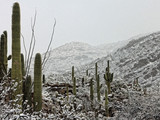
27	86
21	81
108	77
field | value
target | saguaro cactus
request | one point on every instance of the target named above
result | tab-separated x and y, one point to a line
16	72
96	70
22	65
37	98
67	92
98	82
91	89
86	72
5	51
2	56
98	88
106	103
27	91
72	73
108	77
44	79
74	86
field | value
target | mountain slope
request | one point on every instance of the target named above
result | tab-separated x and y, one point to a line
75	54
140	58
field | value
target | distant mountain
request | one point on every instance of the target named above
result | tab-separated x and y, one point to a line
140	58
76	54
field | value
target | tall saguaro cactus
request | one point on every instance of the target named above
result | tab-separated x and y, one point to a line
37	98
108	77
2	56
5	51
16	72
98	82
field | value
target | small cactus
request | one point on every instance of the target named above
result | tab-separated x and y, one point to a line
44	79
106	103
98	89
67	92
96	70
22	65
86	72
37	97
27	91
72	73
74	86
83	82
91	89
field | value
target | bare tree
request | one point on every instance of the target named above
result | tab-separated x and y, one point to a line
45	59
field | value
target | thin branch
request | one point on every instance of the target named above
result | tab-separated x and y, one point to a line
24	48
49	54
30	47
44	59
32	53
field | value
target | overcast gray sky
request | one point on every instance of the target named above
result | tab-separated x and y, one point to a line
90	21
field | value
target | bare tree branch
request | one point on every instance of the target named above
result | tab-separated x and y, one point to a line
31	53
45	58
24	48
49	54
32	45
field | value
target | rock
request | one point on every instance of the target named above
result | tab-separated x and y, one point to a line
124	91
157	117
111	95
100	116
148	117
54	99
125	100
79	107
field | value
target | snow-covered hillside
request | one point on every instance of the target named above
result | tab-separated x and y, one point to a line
76	54
140	58
137	59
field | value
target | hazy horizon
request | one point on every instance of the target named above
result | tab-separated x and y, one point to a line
94	22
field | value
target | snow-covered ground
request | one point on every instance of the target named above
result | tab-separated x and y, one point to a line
137	58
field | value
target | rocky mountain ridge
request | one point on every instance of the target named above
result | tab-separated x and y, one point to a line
76	54
139	59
